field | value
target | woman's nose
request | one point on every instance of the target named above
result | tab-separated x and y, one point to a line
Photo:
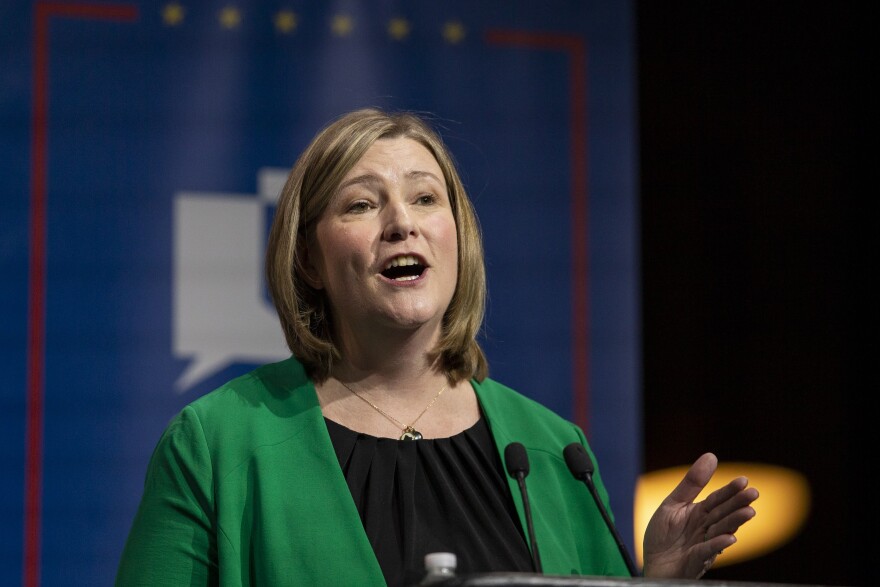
399	223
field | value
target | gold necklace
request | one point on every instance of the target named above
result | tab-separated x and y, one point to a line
409	432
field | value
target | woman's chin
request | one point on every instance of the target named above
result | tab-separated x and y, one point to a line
413	319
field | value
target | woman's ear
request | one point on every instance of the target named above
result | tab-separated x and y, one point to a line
307	267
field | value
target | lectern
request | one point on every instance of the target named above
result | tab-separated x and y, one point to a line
537	580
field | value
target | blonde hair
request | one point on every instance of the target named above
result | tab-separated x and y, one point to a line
304	312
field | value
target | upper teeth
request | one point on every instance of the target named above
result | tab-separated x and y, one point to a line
402	260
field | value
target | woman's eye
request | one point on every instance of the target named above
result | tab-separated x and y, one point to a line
358	207
426	199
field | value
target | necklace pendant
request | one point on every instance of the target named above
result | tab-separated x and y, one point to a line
410	433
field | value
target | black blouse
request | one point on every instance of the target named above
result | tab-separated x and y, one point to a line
433	495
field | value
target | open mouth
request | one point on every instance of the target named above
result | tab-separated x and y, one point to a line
404	268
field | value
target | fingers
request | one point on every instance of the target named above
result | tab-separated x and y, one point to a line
713	545
710	550
730	523
727	509
736	496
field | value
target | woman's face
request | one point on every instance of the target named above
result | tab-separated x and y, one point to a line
387	250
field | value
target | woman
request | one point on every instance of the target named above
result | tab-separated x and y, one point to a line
380	439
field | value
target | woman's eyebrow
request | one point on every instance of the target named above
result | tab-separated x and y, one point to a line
366	178
370	179
416	174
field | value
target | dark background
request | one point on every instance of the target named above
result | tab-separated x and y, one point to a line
753	132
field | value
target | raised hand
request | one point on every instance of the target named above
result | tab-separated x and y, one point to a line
684	537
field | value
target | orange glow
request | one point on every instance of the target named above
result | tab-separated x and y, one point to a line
781	508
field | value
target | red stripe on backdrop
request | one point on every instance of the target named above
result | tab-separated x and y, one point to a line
575	48
36	326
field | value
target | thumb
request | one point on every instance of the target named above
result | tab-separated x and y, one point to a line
695	479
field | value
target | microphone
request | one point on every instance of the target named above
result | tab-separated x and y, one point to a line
517	462
581	466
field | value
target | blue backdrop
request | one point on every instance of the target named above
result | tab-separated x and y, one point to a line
141	149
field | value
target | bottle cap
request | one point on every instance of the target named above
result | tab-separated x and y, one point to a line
436	560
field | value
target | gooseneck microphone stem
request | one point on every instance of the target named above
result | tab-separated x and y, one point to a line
536	558
581	466
517	462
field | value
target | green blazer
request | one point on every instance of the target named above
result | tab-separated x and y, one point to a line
244	488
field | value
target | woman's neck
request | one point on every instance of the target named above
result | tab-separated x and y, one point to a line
392	360
383	384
